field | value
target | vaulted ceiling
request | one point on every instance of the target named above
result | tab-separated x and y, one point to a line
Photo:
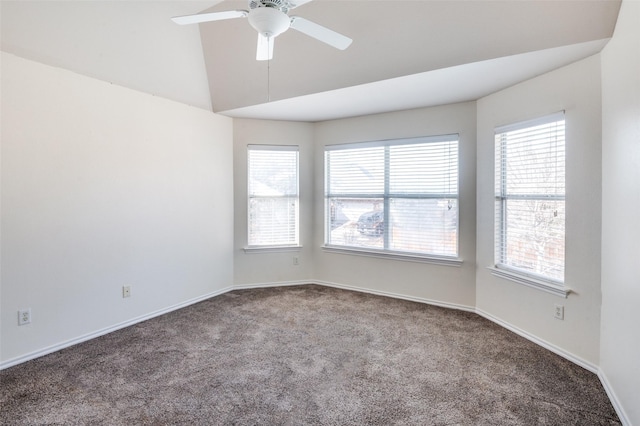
405	54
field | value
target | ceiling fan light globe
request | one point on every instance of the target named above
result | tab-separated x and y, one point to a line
268	21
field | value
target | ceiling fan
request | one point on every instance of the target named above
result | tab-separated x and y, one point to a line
271	18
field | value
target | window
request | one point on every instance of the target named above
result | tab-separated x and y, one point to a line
530	198
273	195
398	196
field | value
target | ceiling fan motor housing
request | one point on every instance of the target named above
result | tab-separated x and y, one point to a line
281	5
269	21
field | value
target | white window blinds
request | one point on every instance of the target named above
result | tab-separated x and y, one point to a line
273	195
396	196
530	197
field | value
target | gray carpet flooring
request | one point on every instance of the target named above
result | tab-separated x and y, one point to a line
305	355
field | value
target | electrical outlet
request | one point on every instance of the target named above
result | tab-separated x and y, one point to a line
24	316
126	291
559	313
296	261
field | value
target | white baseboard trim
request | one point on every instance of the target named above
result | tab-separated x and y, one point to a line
58	346
272	284
553	348
613	398
397	296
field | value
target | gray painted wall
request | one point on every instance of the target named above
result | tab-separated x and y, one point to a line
102	187
273	267
449	285
576	90
620	341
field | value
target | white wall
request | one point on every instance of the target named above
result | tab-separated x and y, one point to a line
102	187
575	89
448	285
620	340
273	267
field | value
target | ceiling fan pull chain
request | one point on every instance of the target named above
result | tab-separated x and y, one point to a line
269	72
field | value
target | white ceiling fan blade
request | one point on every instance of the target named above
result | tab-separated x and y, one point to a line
209	17
265	48
295	3
321	33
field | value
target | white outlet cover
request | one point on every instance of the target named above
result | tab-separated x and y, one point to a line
559	312
24	316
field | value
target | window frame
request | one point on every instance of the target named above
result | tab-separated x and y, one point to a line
386	196
500	269
293	246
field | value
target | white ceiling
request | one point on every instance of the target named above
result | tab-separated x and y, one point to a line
130	43
439	87
405	54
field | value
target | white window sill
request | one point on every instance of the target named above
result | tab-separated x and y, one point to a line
546	286
271	249
381	254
